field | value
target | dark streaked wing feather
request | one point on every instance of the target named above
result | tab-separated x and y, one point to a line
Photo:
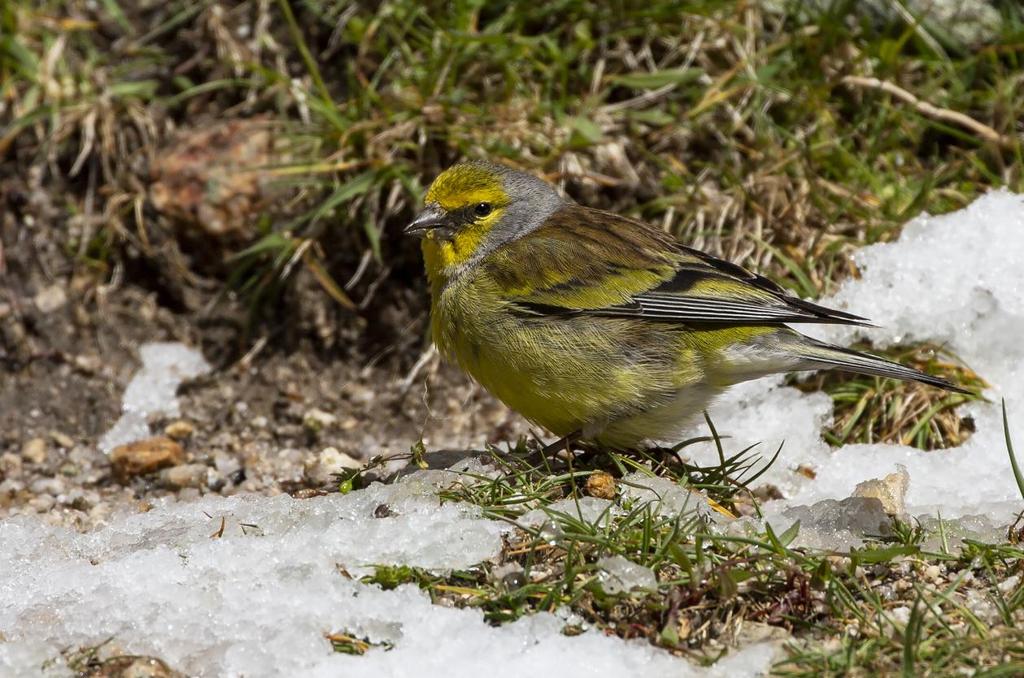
602	241
657	305
775	306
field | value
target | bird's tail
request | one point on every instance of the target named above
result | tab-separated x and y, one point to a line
820	355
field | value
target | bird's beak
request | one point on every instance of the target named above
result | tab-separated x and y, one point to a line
430	218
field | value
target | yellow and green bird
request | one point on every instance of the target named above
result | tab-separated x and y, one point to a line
597	325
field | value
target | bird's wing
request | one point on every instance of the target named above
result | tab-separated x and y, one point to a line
585	261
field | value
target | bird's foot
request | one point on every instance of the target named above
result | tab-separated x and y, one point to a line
563	444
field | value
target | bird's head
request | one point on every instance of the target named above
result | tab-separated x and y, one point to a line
474	207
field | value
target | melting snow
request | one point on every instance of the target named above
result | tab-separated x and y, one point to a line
250	585
152	390
617	574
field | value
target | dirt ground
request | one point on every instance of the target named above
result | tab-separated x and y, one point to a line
277	416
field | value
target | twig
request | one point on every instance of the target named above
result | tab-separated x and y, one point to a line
245	362
929	110
645	99
425	358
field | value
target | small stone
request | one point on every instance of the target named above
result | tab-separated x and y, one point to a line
42	503
186	475
179	430
86	456
383	511
215	480
51	298
145	456
807	471
1009	584
601	485
10	465
751	632
330	460
10	487
136	667
62	439
767	492
34	451
890	490
317	420
358	393
90	364
49	485
932	572
80	501
226	464
308	493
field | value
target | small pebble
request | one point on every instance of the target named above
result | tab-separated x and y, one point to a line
317	420
55	485
34	451
10	465
51	298
179	430
42	503
88	363
330	460
146	456
186	475
62	439
137	667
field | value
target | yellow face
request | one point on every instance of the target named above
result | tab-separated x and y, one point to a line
466	202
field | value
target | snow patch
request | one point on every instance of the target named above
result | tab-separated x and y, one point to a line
152	391
590	510
617	574
250	586
667	498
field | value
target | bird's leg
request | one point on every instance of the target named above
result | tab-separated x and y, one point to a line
658	450
564	443
545	454
666	457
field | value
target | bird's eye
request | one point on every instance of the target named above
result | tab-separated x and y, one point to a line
482	209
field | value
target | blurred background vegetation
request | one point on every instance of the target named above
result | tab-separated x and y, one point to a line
263	155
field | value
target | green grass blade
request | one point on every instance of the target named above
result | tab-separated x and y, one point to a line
1017	475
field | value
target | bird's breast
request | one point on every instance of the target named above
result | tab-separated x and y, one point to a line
561	372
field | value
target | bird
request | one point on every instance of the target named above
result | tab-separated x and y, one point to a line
599	327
